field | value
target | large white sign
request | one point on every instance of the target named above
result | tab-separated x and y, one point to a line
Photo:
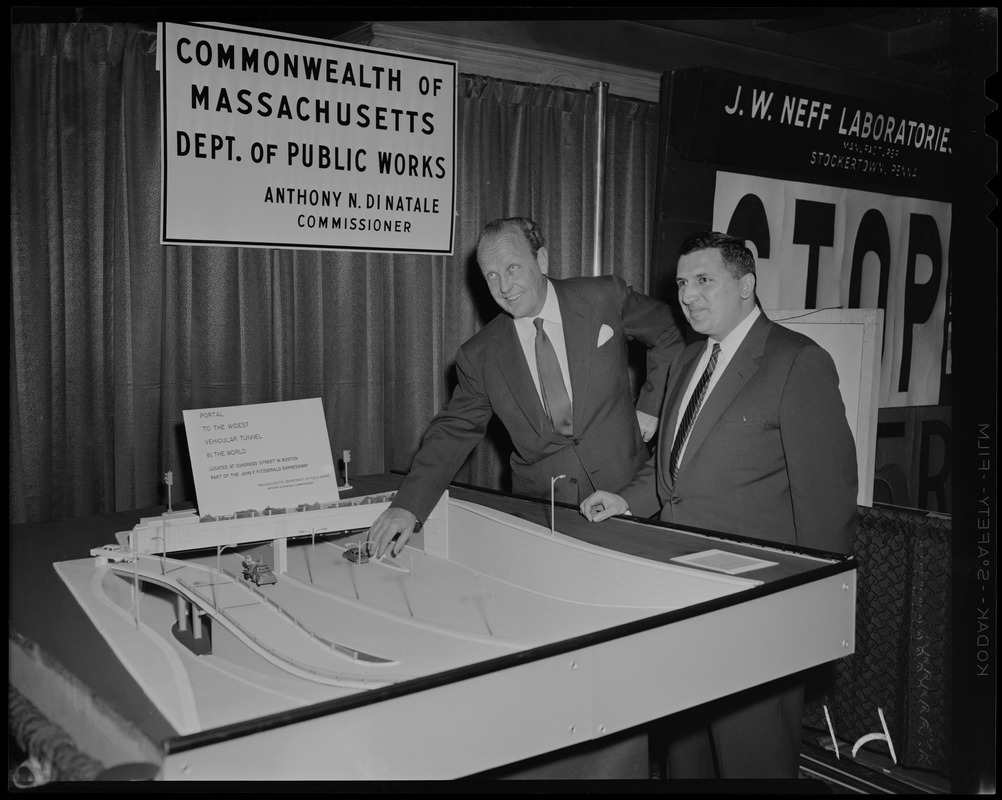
263	458
277	140
832	247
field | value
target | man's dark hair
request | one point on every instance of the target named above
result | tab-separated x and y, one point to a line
527	226
736	256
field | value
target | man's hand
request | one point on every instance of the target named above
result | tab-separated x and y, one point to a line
648	425
393	523
601	505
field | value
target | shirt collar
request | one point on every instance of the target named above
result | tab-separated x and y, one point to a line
550	311
732	341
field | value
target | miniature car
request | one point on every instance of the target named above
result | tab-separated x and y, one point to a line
111	553
258	572
356	554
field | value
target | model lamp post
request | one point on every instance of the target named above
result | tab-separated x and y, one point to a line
553	504
346	455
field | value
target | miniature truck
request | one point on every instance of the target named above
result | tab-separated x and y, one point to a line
258	572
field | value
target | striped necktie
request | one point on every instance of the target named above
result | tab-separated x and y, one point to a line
691	411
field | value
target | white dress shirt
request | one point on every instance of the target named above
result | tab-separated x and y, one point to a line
728	346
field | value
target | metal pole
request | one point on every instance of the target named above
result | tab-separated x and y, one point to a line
601	90
553	504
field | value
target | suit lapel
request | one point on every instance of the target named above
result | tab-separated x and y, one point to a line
677	381
511	364
681	374
743	365
580	341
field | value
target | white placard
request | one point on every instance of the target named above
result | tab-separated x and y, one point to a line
260	459
721	561
852	338
279	140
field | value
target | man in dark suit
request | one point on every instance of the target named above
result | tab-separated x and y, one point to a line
596	441
766	453
589	322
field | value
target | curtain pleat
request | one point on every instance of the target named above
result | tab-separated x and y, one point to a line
114	335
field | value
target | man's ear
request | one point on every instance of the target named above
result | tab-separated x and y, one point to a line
543	259
747	286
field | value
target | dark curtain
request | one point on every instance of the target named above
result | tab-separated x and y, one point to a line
113	335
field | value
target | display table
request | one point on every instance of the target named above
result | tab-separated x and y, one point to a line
625	652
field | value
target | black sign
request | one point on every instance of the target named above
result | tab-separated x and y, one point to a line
765	127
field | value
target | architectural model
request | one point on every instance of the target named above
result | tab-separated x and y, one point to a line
223	622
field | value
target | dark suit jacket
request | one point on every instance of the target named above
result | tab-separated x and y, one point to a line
770	456
606	447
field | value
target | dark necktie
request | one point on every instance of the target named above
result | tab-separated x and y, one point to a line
551	383
691	411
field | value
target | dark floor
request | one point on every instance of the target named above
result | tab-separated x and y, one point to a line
868	773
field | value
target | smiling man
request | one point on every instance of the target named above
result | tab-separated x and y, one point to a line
553	368
755	443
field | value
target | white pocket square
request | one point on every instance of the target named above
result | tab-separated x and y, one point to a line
604	334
